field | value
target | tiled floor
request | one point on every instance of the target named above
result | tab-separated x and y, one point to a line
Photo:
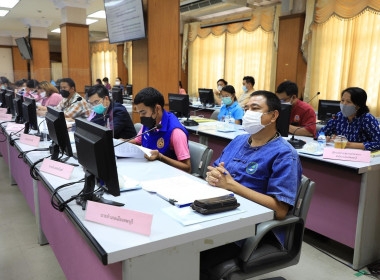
22	258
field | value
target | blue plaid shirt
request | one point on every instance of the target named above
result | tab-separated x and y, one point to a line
364	129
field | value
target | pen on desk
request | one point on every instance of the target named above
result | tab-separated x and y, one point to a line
172	201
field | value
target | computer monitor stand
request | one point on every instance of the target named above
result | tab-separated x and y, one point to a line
190	122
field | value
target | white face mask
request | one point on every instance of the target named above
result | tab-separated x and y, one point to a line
43	94
117	83
219	88
252	122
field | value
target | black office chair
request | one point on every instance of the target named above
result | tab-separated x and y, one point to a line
257	257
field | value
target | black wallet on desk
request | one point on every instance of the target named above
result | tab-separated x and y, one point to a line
215	205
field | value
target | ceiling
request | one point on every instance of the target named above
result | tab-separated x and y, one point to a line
12	24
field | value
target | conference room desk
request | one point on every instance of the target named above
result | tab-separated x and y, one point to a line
200	110
87	250
345	206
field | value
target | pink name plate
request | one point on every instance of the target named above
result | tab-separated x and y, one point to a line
14	127
117	217
5	117
30	140
56	168
3	110
349	154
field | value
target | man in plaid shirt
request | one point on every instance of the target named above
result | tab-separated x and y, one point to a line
69	104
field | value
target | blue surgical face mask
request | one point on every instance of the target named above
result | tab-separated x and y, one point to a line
245	89
227	100
99	109
347	110
2	87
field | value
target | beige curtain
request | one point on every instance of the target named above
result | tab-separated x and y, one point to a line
344	52
206	62
249	54
56	71
103	61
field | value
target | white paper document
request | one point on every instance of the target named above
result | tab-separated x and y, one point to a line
130	150
128	184
182	190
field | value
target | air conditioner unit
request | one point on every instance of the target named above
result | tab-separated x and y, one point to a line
206	7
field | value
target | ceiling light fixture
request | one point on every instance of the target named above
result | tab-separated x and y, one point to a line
90	21
3	13
8	3
57	30
98	14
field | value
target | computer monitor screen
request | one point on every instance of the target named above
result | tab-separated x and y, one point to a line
96	154
283	120
17	105
129	89
179	104
24	48
206	96
117	95
327	108
29	114
9	96
56	124
3	92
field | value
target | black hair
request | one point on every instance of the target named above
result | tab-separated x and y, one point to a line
58	82
249	79
69	81
150	97
99	81
19	83
288	87
273	102
105	79
4	80
101	90
180	84
32	83
118	78
223	81
359	98
230	89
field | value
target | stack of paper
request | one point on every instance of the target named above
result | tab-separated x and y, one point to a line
130	150
182	190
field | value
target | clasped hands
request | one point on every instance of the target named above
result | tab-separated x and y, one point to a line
219	176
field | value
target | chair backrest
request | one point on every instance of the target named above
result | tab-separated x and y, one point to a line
137	127
200	158
305	193
215	114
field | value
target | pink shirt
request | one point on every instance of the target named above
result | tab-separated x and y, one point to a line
180	146
182	91
53	100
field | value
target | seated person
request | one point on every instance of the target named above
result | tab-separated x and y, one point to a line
31	90
99	82
221	83
105	112
231	107
49	95
260	166
170	143
118	83
181	89
248	83
4	83
302	113
20	86
70	105
355	122
106	83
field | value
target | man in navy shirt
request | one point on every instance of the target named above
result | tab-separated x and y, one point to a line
260	166
113	115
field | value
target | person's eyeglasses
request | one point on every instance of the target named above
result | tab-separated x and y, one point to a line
96	102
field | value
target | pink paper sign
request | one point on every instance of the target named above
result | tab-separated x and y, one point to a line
3	110
56	168
14	127
349	154
30	140
119	217
5	117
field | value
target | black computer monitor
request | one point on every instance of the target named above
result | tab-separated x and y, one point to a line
283	120
206	96
9	96
179	104
29	113
327	108
117	94
96	154
129	89
3	92
56	124
17	105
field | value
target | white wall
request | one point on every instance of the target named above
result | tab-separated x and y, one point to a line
6	63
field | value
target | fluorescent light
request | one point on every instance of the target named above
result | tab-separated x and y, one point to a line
3	12
8	3
90	21
98	14
57	30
